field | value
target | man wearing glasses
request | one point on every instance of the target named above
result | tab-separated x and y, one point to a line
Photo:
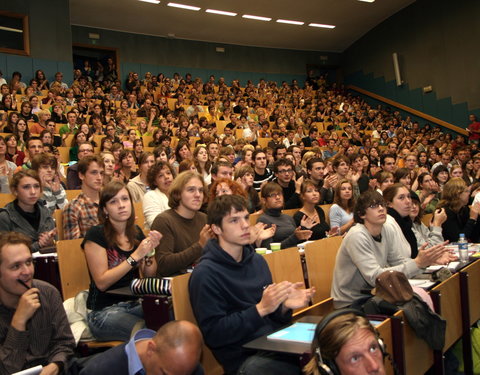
284	171
369	249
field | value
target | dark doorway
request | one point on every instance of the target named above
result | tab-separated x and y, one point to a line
332	74
85	56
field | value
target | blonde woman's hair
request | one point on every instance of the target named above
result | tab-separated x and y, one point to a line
451	194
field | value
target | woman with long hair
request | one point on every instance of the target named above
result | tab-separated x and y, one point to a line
468	172
310	196
6	168
203	165
341	212
423	233
11	122
182	152
460	217
127	168
440	176
427	192
109	166
138	185
106	144
116	251
13	153
22	133
78	138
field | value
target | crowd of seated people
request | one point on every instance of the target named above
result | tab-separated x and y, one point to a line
176	144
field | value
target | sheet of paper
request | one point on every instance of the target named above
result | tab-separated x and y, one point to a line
30	371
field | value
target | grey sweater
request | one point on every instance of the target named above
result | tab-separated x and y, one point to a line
361	260
285	228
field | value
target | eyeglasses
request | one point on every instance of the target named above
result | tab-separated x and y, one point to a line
285	171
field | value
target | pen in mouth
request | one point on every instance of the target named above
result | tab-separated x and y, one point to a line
23	283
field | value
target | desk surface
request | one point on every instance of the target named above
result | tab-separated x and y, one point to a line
125	291
262	343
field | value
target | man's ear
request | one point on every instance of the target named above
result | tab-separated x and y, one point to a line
81	176
216	229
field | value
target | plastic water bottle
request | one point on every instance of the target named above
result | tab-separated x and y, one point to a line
462	248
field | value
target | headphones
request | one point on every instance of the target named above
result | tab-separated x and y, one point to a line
328	366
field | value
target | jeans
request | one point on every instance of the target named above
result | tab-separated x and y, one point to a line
268	363
115	322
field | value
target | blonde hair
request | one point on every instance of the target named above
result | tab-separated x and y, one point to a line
333	337
451	194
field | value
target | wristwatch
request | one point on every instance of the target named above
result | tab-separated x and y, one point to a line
131	261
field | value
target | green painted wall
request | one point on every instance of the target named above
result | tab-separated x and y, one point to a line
436	41
142	53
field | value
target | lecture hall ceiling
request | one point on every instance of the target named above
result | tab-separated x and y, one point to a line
351	18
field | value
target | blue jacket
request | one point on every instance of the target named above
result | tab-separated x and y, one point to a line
224	294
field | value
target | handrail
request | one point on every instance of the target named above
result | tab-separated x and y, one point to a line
410	110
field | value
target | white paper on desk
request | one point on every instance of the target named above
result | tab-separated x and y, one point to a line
39	255
434	268
453	265
30	371
422	283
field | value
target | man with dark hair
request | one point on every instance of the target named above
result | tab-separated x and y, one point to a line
284	175
33	324
387	162
34	147
312	136
212	150
279	152
233	297
315	172
73	180
81	213
221	169
174	349
369	249
57	140
330	151
71	126
262	173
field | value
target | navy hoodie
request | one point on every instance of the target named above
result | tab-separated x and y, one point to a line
223	294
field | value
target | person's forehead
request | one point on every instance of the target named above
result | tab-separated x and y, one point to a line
35	143
224	169
12	253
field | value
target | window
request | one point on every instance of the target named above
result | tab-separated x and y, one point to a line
14	35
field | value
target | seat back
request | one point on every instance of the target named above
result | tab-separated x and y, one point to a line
139	216
74	276
6	198
72	194
320	260
58	216
285	265
183	311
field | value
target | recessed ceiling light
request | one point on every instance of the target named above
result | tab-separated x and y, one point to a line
291	22
321	25
367	1
258	18
151	1
183	6
223	13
